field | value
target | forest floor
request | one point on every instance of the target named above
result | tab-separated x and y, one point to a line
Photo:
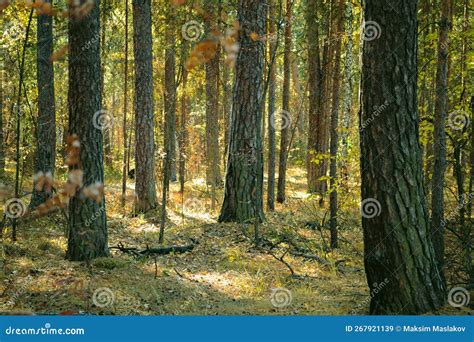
225	274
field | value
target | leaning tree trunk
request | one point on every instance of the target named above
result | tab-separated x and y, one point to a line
398	250
144	107
243	201
87	220
285	114
439	143
46	126
271	106
334	122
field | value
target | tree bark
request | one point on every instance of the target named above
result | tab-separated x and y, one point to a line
144	107
87	237
271	106
126	145
334	123
439	137
46	132
243	200
285	113
398	249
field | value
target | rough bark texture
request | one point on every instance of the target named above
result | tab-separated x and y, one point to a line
398	249
334	122
87	219
170	97
144	107
243	201
271	107
439	135
285	126
213	176
314	85
46	126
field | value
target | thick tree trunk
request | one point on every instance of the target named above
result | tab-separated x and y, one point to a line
46	127
439	141
87	219
213	176
271	106
243	200
398	249
334	123
314	85
285	112
144	107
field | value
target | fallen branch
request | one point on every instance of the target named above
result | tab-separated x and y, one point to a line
311	256
154	251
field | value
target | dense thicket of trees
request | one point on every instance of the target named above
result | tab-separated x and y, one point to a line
250	92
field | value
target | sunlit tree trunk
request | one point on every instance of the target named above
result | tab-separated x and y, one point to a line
243	199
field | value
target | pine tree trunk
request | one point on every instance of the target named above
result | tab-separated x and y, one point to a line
213	176
439	137
334	123
398	249
106	7
46	126
144	107
314	85
126	145
271	106
285	112
243	200
87	220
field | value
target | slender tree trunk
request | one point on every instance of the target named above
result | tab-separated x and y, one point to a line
271	106
46	134
398	249
3	82
314	85
439	143
243	198
184	111
107	131
334	123
285	113
346	121
144	107
126	146
169	167
87	219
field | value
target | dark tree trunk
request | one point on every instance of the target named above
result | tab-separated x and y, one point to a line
398	249
87	219
285	113
46	127
314	85
184	111
271	106
334	122
439	141
243	200
144	107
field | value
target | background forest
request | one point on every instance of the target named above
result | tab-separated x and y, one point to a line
236	157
